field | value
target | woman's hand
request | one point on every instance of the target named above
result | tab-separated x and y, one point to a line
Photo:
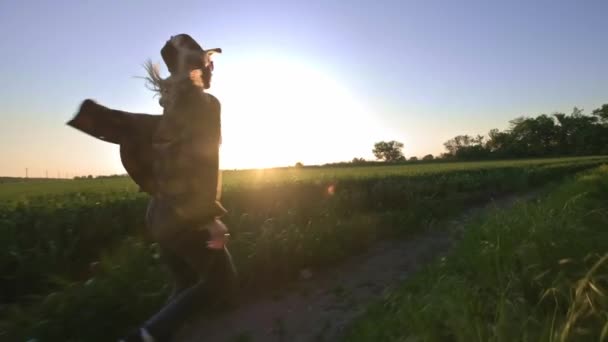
218	233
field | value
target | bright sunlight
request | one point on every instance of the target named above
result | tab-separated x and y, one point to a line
285	111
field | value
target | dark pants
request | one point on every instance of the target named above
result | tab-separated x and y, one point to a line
201	275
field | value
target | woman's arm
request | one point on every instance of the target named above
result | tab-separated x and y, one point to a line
133	132
114	126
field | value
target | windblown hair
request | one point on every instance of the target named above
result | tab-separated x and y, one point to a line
168	88
190	69
154	81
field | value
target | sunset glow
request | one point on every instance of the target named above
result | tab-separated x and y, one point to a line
311	82
284	111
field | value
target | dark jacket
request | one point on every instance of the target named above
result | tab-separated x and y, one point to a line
175	156
187	142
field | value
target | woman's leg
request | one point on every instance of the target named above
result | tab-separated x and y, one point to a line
208	293
183	275
188	258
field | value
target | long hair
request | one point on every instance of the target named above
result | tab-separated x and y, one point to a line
167	89
189	65
154	81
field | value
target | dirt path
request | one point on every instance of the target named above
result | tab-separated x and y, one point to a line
318	308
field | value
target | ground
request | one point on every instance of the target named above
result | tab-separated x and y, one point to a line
319	306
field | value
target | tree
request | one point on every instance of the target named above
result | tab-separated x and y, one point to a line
545	135
499	141
413	159
388	151
602	113
428	157
458	142
299	165
467	147
358	160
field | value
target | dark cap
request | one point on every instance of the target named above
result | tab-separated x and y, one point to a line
171	51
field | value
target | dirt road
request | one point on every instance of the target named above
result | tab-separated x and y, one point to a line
319	306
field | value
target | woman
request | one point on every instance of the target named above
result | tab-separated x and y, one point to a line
175	158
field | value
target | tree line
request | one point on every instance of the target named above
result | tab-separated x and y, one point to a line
559	134
555	135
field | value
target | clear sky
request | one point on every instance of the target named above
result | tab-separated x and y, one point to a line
311	81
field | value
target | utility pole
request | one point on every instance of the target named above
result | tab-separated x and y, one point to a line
46	173
26	175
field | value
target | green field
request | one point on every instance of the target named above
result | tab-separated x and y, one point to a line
14	191
75	252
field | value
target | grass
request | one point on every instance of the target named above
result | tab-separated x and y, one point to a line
65	251
537	272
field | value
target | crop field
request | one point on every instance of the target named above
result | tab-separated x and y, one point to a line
15	191
75	252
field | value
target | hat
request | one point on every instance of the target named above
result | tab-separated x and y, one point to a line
184	46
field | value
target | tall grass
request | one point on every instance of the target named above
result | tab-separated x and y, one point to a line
537	272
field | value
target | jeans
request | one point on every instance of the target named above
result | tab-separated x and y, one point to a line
201	275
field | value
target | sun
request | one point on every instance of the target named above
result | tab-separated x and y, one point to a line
276	112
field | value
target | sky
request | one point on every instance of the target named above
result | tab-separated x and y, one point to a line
310	81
